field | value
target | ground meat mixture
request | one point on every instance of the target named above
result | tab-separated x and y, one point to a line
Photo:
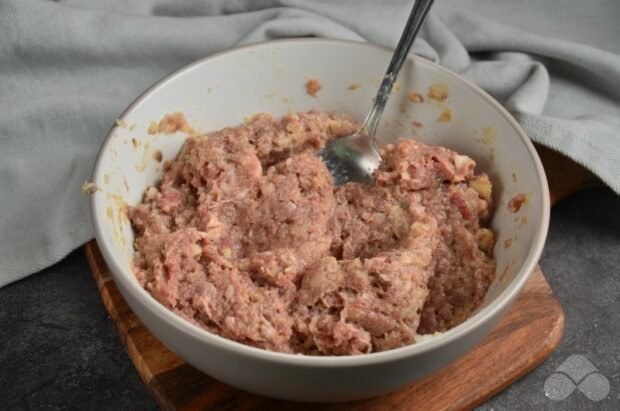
247	237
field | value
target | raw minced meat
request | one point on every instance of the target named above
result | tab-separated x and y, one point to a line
247	237
313	86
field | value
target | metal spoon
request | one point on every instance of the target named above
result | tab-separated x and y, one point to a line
355	157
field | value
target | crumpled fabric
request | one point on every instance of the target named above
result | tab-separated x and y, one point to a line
69	68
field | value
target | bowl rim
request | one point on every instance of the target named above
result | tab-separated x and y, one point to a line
501	302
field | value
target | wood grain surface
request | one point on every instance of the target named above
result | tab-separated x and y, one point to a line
522	339
564	176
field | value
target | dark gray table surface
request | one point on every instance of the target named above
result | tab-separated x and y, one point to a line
59	349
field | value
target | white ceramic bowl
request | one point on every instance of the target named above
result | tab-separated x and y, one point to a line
219	91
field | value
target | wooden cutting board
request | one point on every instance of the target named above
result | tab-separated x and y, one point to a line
522	339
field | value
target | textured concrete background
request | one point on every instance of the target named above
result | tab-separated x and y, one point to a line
59	350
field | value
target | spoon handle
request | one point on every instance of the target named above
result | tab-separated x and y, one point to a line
416	18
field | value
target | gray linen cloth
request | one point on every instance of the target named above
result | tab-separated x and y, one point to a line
68	68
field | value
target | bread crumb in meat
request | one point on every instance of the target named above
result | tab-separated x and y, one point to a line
170	124
438	92
90	187
247	237
445	115
415	97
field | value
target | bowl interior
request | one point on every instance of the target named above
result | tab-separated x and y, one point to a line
270	77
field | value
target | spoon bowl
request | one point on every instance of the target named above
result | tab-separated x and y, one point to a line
355	157
351	158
